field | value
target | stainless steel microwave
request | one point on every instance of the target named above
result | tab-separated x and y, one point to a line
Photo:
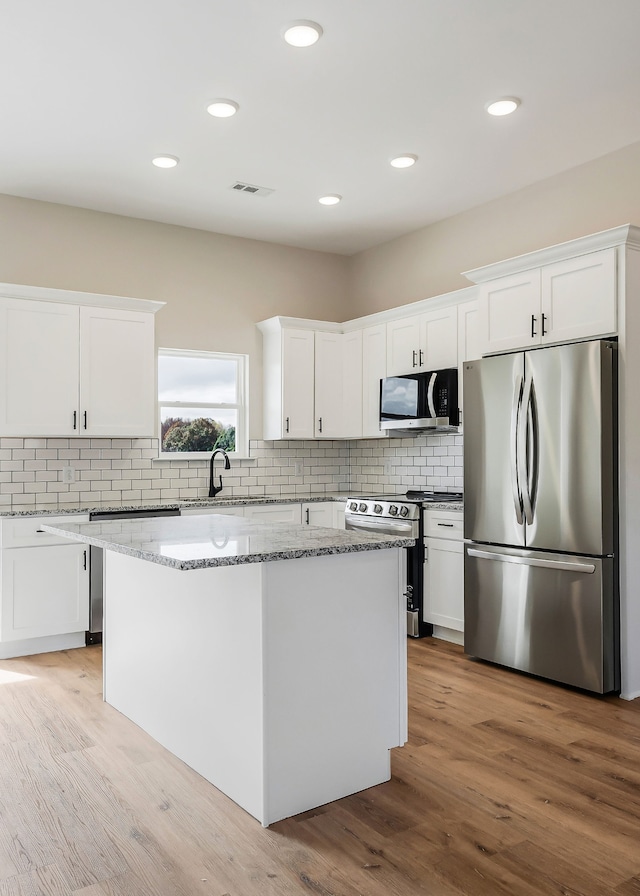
420	401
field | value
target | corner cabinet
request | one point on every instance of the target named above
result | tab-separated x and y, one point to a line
570	299
312	380
70	369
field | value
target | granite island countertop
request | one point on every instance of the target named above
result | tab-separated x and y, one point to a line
209	540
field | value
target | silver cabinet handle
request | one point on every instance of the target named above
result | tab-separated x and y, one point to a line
544	319
587	568
420	357
415	354
319	424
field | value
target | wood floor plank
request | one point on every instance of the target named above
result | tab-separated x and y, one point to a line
509	785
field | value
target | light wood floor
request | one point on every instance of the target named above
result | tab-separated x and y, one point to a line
507	786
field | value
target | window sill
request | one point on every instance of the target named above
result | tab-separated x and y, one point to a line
204	455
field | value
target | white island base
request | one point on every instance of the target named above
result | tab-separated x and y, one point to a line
282	683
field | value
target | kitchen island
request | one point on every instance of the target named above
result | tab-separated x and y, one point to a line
271	658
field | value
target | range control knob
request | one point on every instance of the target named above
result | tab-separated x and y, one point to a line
404	511
362	507
393	510
377	508
353	505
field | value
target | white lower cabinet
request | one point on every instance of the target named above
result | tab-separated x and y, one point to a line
274	513
329	514
45	591
444	573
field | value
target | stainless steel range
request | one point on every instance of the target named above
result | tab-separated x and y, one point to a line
401	515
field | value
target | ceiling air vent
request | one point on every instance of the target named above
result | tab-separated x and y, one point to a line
241	187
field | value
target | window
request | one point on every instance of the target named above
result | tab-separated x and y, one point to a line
202	402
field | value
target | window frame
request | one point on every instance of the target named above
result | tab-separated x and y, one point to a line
241	406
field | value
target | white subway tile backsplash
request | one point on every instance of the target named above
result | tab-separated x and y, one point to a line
129	469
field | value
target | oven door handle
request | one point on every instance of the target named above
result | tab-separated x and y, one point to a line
382	527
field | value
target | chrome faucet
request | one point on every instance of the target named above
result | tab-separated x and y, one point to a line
214	489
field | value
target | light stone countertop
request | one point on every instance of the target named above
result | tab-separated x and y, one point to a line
199	542
173	504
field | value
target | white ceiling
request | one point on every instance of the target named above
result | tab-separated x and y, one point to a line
91	90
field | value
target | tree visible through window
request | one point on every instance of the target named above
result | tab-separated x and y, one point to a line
201	397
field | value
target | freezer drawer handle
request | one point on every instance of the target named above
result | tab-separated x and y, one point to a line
587	568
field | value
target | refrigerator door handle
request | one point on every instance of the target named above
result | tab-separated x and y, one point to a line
564	565
525	460
515	485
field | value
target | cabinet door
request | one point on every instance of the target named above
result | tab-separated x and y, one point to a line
352	385
274	513
468	344
45	591
579	297
510	314
439	339
444	583
298	384
374	368
403	345
318	513
329	385
38	368
117	373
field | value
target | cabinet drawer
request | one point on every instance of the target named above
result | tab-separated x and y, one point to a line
444	524
23	532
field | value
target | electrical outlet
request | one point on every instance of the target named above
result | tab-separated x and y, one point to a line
68	474
298	467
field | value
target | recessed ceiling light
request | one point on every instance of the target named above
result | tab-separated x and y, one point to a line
165	161
406	160
222	108
330	199
504	106
302	33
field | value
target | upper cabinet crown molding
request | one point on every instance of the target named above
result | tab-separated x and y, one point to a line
627	234
466	294
71	297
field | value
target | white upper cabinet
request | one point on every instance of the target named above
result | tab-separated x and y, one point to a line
574	298
71	370
117	373
469	346
288	380
374	368
579	297
427	341
329	386
510	312
39	371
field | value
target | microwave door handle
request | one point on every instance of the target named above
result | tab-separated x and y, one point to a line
515	485
525	441
431	387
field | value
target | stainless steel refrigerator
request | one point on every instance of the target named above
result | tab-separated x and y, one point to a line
540	513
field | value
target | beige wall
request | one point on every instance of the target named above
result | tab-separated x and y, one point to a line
216	287
593	197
